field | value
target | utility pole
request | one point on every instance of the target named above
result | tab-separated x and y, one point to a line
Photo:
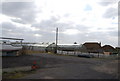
56	41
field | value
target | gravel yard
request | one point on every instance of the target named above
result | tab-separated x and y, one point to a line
27	60
61	66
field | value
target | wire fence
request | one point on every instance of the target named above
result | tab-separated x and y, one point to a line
97	55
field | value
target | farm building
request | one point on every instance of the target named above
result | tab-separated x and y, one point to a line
108	49
93	47
8	48
65	47
36	47
117	50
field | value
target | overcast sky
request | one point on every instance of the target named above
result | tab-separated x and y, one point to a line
78	20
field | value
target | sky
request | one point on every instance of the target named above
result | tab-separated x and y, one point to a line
77	20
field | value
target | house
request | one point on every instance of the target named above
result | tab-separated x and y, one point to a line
108	49
93	47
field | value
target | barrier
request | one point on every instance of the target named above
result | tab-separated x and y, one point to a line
34	66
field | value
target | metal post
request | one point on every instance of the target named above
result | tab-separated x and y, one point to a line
56	41
98	54
21	42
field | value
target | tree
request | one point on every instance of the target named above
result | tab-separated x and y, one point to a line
75	42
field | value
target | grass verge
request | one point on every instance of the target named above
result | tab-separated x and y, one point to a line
16	74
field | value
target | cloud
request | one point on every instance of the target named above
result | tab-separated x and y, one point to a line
66	30
18	20
0	8
67	15
71	31
28	32
50	23
104	37
12	30
78	21
8	25
110	13
107	2
24	10
113	33
77	33
37	35
9	29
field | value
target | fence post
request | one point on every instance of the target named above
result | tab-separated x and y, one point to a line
98	54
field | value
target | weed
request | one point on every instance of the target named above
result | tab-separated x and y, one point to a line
16	74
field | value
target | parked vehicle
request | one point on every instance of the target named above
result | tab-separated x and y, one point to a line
87	56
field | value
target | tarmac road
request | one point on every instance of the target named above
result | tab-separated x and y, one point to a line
69	67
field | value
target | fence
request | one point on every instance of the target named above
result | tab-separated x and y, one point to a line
76	53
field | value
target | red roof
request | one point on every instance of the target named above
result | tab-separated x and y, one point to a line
93	46
108	48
